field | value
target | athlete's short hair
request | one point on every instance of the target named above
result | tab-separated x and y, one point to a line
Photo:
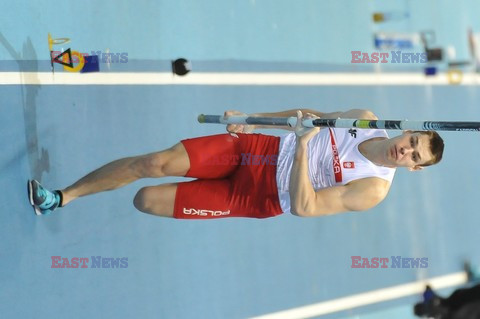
436	147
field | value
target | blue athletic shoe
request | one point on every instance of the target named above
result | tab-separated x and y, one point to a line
43	201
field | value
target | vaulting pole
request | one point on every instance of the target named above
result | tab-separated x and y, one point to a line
345	123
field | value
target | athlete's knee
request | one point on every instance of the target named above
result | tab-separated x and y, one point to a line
141	200
155	200
152	165
170	162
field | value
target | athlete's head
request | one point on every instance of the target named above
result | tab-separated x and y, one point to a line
415	149
436	147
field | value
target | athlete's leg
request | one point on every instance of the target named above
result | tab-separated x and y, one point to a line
171	162
203	199
226	189
156	200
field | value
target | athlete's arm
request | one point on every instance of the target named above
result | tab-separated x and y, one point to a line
358	195
293	113
354	114
355	196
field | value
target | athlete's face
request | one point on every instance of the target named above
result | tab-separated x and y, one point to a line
408	150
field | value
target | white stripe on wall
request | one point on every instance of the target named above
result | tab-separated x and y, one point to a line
304	79
367	298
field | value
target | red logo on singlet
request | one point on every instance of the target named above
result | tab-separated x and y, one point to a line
337	168
348	164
